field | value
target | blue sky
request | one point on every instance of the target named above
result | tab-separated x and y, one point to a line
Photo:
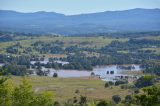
76	6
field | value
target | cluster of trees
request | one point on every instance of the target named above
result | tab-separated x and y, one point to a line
23	95
14	49
152	67
52	47
133	49
71	65
6	38
144	42
110	54
145	81
149	97
57	47
14	70
78	60
17	65
117	83
83	62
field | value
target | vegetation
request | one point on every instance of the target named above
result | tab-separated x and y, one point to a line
81	52
145	81
23	95
150	97
151	67
116	98
27	54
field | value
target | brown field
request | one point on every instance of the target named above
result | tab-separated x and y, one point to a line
64	88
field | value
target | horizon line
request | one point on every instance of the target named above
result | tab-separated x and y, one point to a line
78	13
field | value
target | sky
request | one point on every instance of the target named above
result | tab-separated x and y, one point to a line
70	7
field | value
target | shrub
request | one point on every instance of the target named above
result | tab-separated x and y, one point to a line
119	82
149	97
144	81
55	75
23	95
102	103
106	84
127	86
83	101
128	99
92	74
111	83
77	91
116	98
56	103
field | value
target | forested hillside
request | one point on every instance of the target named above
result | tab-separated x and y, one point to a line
110	21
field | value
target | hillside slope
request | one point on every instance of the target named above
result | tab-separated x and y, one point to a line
109	21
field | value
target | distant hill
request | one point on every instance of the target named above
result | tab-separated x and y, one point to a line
102	22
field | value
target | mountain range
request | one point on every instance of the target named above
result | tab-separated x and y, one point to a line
42	22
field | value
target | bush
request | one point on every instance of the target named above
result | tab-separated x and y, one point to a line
102	103
55	75
145	81
111	83
40	72
92	74
77	91
149	97
128	99
116	98
127	86
120	82
56	103
106	84
23	95
83	101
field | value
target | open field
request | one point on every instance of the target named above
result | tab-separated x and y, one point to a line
64	88
151	37
157	50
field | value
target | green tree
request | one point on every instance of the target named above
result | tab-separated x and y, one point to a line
145	81
128	99
116	98
83	101
23	95
44	99
6	90
150	97
55	75
106	85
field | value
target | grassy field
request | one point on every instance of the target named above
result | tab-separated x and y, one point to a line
151	37
96	42
64	88
157	50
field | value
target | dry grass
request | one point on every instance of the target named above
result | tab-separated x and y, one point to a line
65	88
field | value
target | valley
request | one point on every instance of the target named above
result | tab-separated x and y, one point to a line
71	67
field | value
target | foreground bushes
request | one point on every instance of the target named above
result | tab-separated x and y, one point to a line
23	95
145	81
